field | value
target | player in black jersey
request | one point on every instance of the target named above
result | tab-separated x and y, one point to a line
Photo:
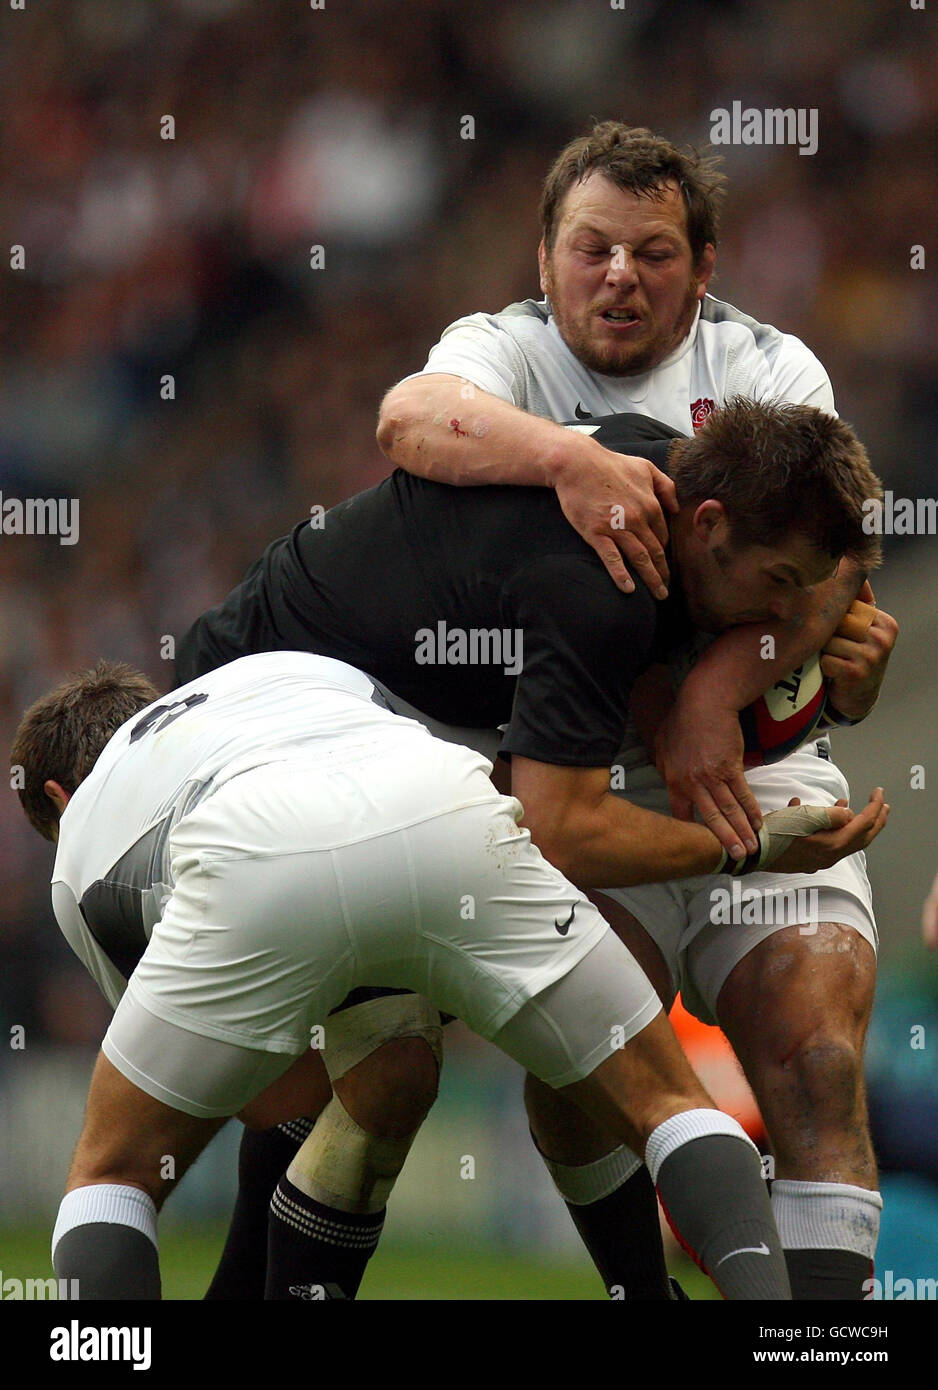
401	570
479	608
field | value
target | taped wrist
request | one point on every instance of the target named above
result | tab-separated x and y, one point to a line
779	829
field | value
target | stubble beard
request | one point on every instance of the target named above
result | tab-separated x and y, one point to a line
625	359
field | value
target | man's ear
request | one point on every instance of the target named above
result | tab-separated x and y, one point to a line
57	794
542	257
710	522
704	268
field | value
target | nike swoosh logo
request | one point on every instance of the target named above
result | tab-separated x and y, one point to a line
564	927
762	1249
582	414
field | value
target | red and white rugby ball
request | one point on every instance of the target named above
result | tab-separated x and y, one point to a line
788	715
785	716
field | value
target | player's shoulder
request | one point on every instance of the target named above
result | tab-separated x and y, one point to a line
718	318
760	359
522	318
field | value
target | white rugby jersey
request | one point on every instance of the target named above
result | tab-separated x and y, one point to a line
519	356
112	875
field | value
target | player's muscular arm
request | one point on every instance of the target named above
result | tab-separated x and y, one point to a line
735	669
597	839
430	427
601	841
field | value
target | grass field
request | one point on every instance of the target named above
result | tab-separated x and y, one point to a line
188	1257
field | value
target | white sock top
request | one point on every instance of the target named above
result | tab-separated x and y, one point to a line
682	1128
112	1203
826	1216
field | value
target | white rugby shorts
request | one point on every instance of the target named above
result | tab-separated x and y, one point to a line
679	915
394	864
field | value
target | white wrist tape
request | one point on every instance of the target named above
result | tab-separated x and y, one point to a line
779	829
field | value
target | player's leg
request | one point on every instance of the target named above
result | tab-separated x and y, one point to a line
386	1094
328	1209
707	1172
134	1139
132	1151
276	1123
238	1034
605	1185
796	1010
263	1157
794	996
575	1009
241	1014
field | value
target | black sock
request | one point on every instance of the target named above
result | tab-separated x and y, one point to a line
265	1156
623	1236
109	1261
316	1252
716	1199
817	1275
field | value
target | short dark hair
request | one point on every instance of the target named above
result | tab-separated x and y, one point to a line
636	159
61	735
780	468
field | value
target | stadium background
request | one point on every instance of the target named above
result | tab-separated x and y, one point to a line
345	127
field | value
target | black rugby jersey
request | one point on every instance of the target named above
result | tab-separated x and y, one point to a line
481	606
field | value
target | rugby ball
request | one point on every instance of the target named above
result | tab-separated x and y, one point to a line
785	716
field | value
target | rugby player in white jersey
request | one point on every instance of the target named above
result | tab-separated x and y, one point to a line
628	250
271	836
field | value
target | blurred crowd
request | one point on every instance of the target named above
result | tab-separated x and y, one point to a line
176	355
